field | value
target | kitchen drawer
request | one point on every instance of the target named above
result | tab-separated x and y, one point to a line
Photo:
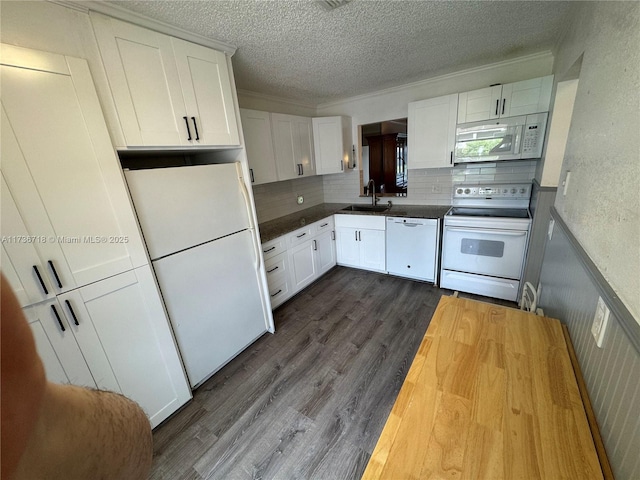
274	247
276	268
323	225
279	292
299	236
371	222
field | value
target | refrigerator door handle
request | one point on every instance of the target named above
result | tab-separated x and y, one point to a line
245	194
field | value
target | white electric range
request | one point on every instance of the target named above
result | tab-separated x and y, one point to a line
485	238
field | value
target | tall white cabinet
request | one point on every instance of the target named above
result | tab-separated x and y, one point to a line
168	92
71	247
432	132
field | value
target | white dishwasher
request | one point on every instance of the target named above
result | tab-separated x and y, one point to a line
412	247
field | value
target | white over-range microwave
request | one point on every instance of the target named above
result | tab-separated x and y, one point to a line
510	138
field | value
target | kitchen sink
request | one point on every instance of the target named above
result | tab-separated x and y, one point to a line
366	208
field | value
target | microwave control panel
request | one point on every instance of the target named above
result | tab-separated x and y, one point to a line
533	135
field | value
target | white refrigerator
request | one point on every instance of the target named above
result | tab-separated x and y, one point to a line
197	226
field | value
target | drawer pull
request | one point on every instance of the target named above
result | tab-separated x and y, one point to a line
55	312
269	249
55	274
273	269
324	225
301	235
277	293
73	314
44	288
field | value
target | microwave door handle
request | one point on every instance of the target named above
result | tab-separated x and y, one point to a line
516	142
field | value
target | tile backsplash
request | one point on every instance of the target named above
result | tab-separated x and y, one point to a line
431	186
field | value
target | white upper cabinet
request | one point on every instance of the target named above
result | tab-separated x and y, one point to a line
293	146
511	99
64	187
332	143
168	92
258	142
432	131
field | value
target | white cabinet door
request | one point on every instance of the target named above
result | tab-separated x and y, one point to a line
256	126
481	104
56	344
332	143
325	251
347	246
508	100
133	333
208	98
432	131
293	146
167	92
303	264
144	82
526	97
62	172
372	249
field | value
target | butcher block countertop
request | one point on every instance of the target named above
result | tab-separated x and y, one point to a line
491	394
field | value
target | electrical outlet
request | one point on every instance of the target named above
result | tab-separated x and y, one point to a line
300	200
600	321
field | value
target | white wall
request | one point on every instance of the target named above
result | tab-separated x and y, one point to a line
602	205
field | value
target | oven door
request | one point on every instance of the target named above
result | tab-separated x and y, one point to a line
485	251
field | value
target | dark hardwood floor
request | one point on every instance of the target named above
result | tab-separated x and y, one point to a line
310	400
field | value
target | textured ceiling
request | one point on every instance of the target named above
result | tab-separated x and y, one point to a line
299	51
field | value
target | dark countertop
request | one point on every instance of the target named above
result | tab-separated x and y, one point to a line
283	225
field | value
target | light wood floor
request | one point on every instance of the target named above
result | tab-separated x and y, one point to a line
311	400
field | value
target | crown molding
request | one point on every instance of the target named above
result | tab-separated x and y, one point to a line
128	16
439	78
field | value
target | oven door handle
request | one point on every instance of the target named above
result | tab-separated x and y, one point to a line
511	233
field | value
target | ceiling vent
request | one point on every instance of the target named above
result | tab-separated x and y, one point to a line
329	5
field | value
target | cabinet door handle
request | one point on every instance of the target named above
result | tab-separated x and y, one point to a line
44	288
73	314
186	121
278	292
341	165
268	250
251	175
55	274
497	105
504	102
195	127
359	236
333	234
273	269
356	232
315	245
55	312
301	235
451	161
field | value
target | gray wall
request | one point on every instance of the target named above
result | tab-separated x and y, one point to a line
602	204
612	373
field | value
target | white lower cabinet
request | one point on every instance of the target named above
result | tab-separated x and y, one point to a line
297	259
360	241
113	335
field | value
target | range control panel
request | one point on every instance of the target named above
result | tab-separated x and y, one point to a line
493	190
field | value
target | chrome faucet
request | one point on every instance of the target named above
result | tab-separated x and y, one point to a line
374	199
